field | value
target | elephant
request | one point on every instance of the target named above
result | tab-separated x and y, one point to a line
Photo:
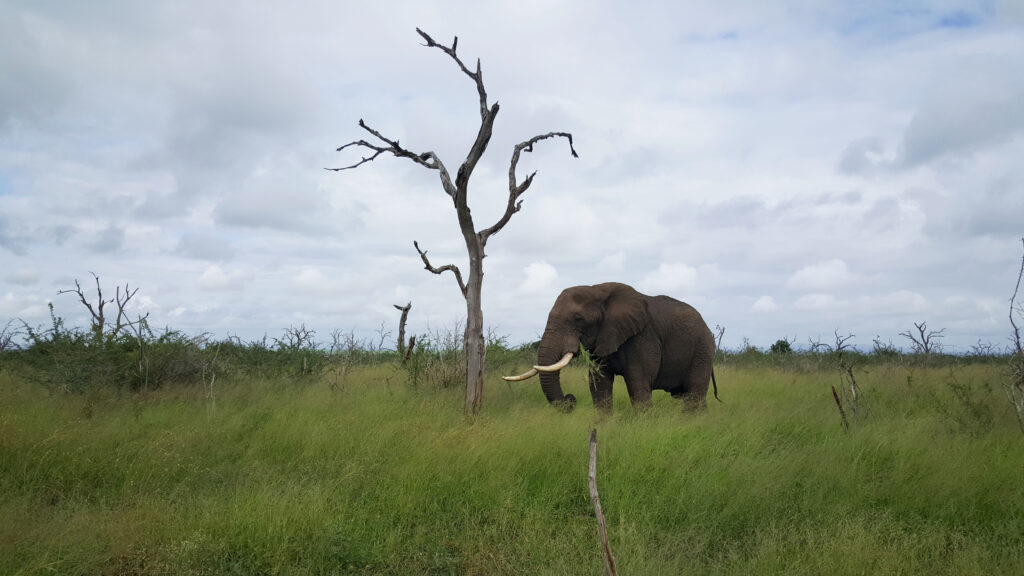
653	342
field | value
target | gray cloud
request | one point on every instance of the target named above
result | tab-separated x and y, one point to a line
205	246
862	157
23	277
11	239
984	107
110	239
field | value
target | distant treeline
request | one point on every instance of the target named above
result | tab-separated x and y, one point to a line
74	359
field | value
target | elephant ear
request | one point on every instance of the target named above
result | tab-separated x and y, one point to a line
625	315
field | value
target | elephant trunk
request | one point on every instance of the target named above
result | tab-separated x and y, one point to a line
550	353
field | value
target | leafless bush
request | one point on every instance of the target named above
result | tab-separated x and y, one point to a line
883	349
841	344
382	335
925	342
983	349
295	338
849	392
7	336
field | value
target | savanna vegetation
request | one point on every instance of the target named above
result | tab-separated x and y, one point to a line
160	453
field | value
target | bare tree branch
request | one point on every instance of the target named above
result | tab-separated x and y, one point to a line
428	159
447	267
515	189
98	320
122	317
477	76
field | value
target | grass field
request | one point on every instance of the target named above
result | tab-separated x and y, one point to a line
375	477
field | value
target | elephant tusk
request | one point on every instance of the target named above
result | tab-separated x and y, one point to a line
557	365
524	376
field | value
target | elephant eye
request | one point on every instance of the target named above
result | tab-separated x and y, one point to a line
577	318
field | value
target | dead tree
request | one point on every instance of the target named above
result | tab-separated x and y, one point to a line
926	341
458	191
401	328
1015	388
98	320
719	333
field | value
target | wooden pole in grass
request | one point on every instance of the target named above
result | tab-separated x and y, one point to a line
842	413
606	549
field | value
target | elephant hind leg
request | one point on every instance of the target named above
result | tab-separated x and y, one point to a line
695	402
692	400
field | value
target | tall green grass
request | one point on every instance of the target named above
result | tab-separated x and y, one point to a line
305	476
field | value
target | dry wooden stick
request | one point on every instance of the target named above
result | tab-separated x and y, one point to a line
842	412
606	549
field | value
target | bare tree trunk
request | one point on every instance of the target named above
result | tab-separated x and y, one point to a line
476	352
401	328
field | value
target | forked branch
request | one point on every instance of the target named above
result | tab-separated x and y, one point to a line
516	189
426	159
447	267
478	76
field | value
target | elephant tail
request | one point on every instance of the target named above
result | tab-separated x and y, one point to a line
715	385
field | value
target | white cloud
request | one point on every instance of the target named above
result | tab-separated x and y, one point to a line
817	303
901	302
671	278
310	279
540	278
765	304
612	263
821	276
214	278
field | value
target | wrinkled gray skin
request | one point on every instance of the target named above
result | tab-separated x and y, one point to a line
653	342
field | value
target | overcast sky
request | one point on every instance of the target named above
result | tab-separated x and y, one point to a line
788	168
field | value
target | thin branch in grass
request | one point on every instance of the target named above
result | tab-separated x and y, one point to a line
602	529
842	413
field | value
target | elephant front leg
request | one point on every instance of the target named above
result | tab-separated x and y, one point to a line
639	388
601	389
